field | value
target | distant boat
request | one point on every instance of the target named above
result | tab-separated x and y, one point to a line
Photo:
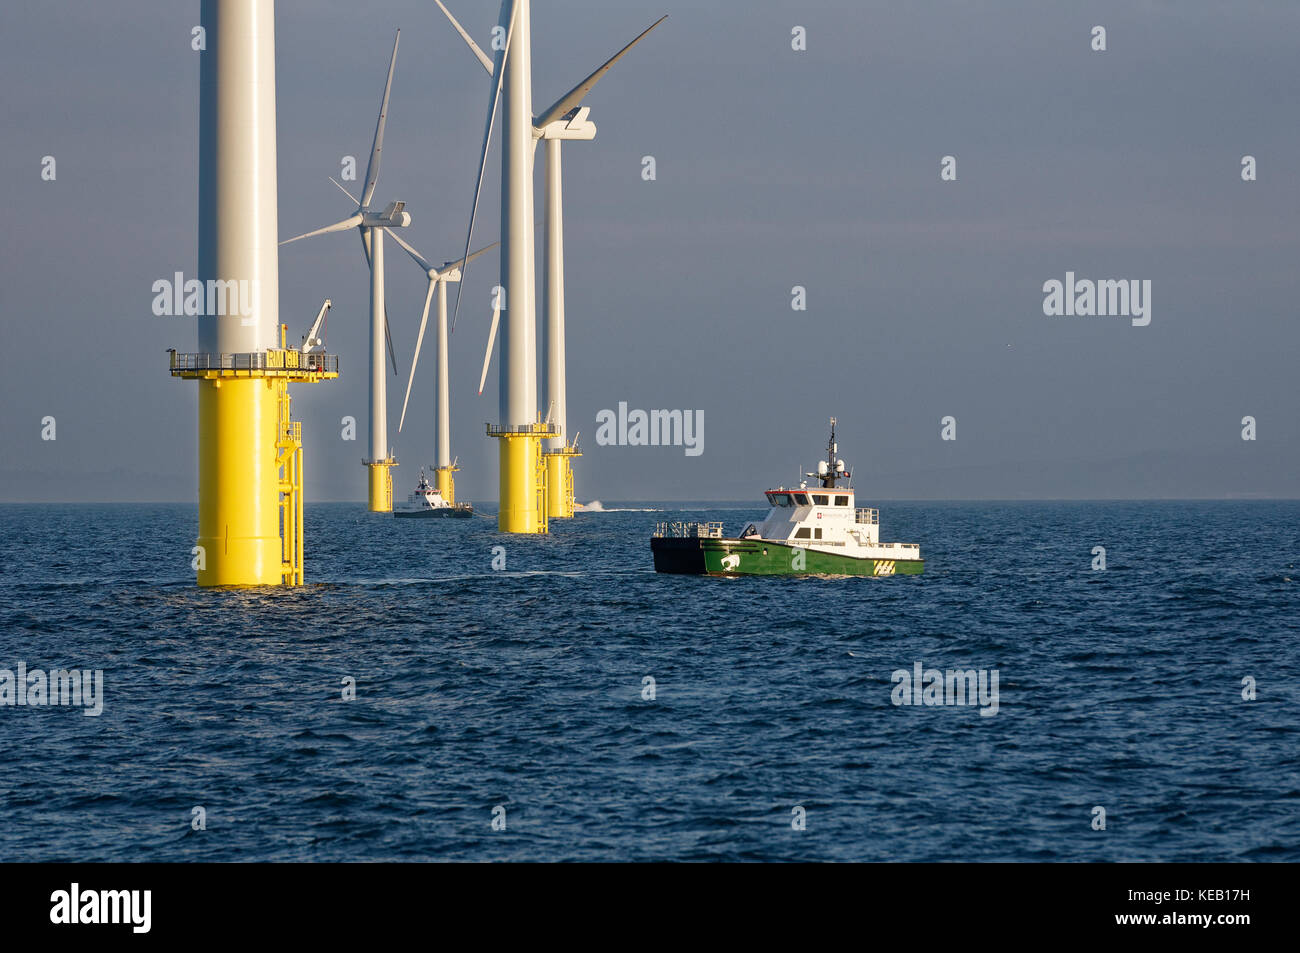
815	531
426	501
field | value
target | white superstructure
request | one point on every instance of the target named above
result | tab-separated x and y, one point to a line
826	519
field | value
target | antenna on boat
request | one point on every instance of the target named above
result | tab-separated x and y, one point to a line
831	468
828	476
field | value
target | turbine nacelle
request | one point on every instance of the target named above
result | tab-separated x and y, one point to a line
573	125
393	216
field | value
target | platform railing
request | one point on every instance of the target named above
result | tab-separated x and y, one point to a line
539	429
256	361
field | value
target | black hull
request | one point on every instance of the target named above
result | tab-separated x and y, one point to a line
446	512
678	555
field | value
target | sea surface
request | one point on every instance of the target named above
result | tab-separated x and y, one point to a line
520	693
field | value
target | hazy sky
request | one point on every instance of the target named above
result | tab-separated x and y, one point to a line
775	168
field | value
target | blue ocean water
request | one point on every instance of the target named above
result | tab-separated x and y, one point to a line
522	688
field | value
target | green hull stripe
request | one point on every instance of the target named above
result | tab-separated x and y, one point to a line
735	557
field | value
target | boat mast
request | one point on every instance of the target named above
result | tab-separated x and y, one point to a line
828	480
827	473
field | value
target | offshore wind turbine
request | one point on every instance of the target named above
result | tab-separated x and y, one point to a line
565	119
250	462
438	276
372	226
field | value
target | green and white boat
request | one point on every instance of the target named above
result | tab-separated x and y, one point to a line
808	531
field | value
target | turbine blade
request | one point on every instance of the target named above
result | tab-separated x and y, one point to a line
388	336
498	78
461	262
482	57
350	222
377	146
345	191
574	96
419	340
415	255
487	358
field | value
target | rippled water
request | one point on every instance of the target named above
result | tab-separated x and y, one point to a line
523	688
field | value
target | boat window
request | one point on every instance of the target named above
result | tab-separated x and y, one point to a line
780	499
800	499
802	533
841	501
821	499
817	533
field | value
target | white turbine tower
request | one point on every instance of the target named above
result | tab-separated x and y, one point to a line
438	277
372	225
565	119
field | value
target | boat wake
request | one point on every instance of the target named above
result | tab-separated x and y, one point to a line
595	506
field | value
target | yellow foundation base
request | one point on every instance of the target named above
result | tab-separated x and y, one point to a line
239	492
381	485
250	463
445	482
523	478
559	483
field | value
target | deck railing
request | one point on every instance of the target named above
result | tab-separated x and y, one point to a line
867	515
709	530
